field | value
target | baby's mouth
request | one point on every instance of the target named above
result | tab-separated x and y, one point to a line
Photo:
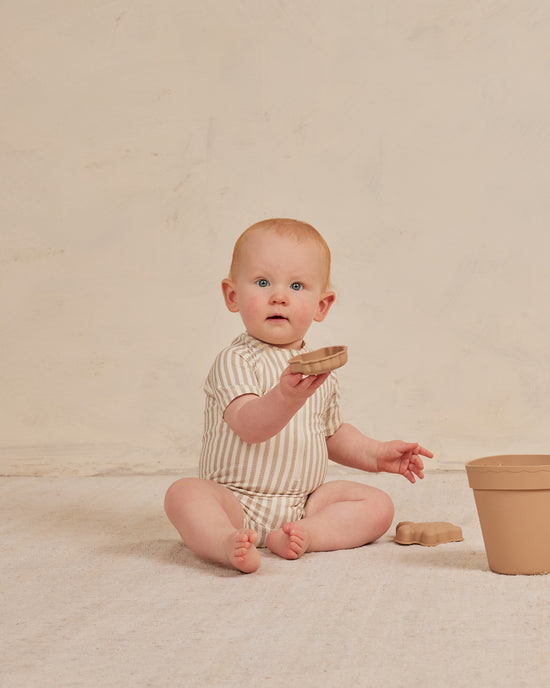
277	317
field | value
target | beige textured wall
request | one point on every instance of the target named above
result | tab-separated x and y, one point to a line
140	138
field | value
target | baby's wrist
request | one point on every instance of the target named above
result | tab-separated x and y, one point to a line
288	400
377	454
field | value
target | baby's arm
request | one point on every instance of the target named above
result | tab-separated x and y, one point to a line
349	447
257	419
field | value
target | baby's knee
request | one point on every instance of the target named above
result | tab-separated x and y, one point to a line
389	508
385	511
179	491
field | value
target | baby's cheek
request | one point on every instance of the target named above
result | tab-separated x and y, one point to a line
253	309
255	305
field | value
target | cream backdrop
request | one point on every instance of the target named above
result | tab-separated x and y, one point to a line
140	137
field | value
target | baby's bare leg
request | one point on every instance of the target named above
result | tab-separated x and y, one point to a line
339	515
210	520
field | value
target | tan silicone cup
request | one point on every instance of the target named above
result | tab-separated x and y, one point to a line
512	496
427	534
319	361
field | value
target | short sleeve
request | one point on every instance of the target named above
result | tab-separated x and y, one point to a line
333	414
231	376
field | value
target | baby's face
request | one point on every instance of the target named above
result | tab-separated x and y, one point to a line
279	289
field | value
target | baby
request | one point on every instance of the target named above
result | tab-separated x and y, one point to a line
269	433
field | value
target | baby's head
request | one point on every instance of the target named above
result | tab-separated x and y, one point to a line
284	227
279	280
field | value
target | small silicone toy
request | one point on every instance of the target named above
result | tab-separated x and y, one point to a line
427	534
319	361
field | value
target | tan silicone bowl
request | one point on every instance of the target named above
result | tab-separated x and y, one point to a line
319	361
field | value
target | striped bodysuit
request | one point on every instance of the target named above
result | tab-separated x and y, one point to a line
271	479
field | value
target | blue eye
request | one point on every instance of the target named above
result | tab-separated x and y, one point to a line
262	283
296	286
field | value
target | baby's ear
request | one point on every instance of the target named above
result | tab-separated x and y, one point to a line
325	302
230	295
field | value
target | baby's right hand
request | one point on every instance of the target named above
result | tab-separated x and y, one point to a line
298	388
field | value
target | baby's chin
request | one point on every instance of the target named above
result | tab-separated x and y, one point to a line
280	342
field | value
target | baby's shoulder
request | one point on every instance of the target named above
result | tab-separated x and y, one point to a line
242	351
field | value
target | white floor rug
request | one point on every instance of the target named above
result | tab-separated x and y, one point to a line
97	591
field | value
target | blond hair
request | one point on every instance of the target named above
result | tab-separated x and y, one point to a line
300	231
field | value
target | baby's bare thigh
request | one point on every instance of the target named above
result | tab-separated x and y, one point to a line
198	494
345	491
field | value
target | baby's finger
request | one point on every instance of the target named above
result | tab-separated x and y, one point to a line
410	477
417	466
417	470
293	379
417	461
315	381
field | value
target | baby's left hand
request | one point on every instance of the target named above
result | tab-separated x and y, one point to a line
402	457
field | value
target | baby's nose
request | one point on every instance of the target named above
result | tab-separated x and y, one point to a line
278	296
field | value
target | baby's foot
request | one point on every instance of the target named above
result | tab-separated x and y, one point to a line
290	541
241	551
